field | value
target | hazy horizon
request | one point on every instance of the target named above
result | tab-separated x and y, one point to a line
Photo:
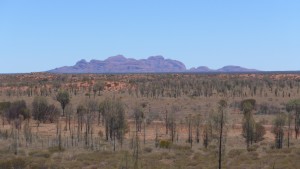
38	35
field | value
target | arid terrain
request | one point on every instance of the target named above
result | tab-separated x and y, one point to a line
150	120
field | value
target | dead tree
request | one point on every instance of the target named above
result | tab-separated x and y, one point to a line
69	113
222	106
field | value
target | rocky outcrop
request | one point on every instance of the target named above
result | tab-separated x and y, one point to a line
120	64
154	64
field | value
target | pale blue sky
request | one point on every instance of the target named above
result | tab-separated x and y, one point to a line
40	35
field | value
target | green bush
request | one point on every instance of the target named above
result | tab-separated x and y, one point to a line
165	144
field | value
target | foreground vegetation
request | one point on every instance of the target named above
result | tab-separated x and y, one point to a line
150	121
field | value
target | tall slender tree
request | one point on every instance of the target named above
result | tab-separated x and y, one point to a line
278	129
247	106
221	108
289	109
63	98
113	111
294	106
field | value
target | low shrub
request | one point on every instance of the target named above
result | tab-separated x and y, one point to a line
286	150
253	155
165	144
147	149
297	151
55	149
16	163
253	148
40	154
235	152
181	147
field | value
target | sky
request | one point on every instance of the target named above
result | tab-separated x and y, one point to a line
42	35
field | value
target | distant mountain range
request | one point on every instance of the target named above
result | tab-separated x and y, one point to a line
154	64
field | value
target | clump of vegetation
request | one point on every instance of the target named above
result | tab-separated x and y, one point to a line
181	147
165	144
235	152
148	149
55	149
15	163
253	132
278	129
42	111
43	154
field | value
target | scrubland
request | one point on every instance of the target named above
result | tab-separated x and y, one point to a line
149	121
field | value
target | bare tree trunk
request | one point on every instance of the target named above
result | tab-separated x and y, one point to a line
220	141
289	121
136	154
156	136
296	126
106	131
144	132
69	121
66	123
86	134
166	119
198	135
190	138
248	135
114	141
59	140
99	117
